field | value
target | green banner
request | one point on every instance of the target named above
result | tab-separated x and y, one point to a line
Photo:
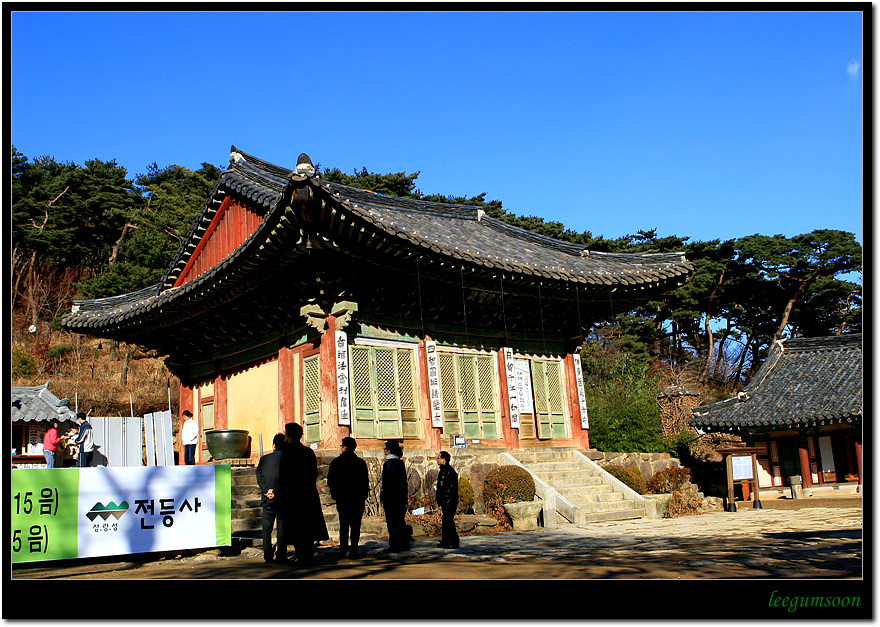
66	513
44	512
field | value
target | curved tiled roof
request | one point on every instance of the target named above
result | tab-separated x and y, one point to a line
804	382
465	233
37	404
446	232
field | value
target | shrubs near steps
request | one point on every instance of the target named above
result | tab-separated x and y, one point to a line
630	475
506	484
685	500
466	496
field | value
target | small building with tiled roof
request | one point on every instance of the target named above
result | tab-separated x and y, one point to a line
804	405
295	299
34	408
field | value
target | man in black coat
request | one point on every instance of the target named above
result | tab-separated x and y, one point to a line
394	497
447	499
303	517
268	473
349	484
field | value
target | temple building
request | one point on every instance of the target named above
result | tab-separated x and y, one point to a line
295	299
803	408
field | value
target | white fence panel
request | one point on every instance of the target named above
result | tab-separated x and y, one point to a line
118	441
149	433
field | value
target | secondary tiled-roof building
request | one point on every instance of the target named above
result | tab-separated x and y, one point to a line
33	410
298	299
805	405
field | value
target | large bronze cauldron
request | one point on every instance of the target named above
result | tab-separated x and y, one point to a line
227	443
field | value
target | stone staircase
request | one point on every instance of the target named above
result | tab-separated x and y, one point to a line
247	514
578	488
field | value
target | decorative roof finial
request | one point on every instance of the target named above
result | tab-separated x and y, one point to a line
304	166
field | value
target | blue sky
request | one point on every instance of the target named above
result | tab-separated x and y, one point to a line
707	125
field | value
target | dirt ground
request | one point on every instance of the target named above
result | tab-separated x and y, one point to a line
822	538
737	565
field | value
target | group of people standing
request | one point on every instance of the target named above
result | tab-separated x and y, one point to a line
288	484
81	438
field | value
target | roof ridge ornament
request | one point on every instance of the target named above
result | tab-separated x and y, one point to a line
234	155
304	166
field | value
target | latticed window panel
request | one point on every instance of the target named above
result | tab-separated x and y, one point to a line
311	384
467	381
360	376
468	390
383	390
549	399
448	385
554	387
207	418
486	377
405	379
312	397
539	383
386	384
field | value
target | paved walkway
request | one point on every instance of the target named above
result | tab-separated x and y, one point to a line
814	541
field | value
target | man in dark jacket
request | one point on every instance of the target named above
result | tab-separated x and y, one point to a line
268	473
349	484
303	517
447	499
394	497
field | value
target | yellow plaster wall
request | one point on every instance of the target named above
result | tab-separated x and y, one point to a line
252	404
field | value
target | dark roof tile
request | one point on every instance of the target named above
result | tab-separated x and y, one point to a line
37	404
803	380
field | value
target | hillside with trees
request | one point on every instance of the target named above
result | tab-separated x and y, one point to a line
91	231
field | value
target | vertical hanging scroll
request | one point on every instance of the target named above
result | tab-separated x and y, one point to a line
343	379
524	387
512	392
582	396
434	383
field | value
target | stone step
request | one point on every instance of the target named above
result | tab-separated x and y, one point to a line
565	479
243	503
244	476
587	500
542	467
240	524
608	506
538	456
588	517
247	512
245	490
602	488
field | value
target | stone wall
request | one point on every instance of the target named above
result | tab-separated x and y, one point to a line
648	463
676	405
474	464
421	469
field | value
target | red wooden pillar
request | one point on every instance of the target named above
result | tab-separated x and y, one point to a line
510	435
578	434
433	436
858	443
804	457
221	412
285	387
185	402
331	431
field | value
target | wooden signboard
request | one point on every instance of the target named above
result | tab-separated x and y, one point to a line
742	469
